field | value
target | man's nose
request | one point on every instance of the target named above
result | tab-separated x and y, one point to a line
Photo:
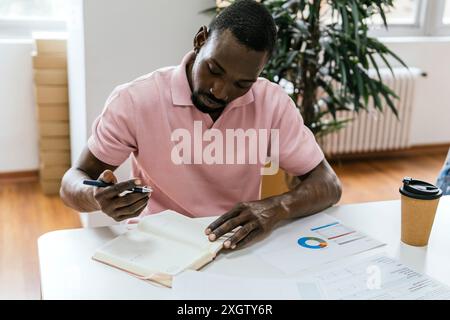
220	92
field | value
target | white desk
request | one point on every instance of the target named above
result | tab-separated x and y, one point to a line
68	272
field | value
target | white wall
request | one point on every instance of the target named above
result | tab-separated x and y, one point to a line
431	119
18	127
77	79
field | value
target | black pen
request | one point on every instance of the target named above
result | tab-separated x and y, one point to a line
102	184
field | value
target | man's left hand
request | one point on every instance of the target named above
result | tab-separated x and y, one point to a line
254	218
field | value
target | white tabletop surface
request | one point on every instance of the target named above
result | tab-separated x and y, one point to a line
68	272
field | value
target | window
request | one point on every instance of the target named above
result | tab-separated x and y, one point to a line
20	18
404	12
404	18
33	9
415	18
446	16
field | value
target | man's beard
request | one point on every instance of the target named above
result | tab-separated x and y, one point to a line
204	108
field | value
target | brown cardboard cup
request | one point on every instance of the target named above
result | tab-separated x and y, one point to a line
419	202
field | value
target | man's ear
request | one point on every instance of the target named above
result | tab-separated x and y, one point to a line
200	38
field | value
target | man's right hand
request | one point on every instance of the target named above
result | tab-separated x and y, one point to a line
118	207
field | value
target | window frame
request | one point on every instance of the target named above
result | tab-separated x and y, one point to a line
438	27
24	27
428	22
404	29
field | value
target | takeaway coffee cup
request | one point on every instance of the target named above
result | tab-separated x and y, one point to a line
419	201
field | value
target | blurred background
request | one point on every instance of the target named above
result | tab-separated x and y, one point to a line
59	61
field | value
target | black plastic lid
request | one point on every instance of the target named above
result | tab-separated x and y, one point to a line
419	189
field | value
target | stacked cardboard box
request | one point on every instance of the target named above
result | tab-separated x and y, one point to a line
50	78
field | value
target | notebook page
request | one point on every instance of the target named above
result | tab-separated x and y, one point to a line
173	225
143	254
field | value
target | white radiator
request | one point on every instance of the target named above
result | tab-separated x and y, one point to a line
374	131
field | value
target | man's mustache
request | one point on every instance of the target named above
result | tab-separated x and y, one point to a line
211	97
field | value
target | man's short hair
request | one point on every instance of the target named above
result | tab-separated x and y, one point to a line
250	23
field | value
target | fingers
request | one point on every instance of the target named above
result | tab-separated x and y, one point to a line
226	227
249	238
129	199
130	211
240	234
118	188
114	203
108	177
118	205
226	216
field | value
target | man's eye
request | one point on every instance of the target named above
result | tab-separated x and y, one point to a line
213	71
244	86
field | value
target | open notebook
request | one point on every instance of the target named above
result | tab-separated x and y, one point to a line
161	246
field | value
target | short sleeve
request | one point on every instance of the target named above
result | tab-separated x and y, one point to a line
113	136
299	151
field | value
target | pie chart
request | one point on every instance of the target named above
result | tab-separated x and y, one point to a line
312	243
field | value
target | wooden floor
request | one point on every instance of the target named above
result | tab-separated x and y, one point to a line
25	213
375	180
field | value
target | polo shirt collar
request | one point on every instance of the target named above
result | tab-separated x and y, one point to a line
181	91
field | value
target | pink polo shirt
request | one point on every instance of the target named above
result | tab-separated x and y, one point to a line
141	117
